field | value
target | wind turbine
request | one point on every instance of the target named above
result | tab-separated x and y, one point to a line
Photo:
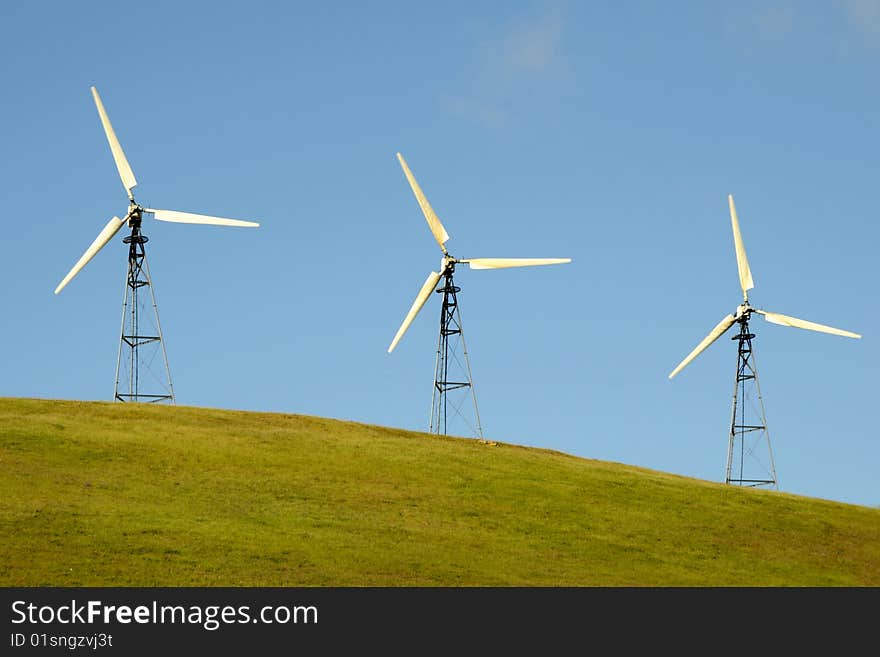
739	445
138	274
450	315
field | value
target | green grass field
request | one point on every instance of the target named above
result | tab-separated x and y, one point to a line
109	494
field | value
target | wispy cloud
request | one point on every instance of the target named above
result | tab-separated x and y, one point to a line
519	59
864	14
839	24
473	109
775	22
527	50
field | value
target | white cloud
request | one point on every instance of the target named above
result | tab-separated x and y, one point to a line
775	22
473	109
864	14
527	50
522	58
840	25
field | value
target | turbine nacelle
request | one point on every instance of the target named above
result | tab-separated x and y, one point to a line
134	215
743	310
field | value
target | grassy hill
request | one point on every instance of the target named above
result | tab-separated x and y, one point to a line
107	494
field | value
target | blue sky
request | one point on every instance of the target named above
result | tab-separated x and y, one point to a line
610	133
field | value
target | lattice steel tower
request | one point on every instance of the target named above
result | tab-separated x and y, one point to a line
451	394
747	462
136	377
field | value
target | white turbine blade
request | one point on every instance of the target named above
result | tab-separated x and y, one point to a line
742	263
192	218
785	320
434	224
502	263
125	172
424	293
103	237
714	334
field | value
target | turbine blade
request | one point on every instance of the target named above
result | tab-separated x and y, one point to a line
125	172
434	224
742	263
424	293
192	218
502	263
785	320
714	334
103	237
